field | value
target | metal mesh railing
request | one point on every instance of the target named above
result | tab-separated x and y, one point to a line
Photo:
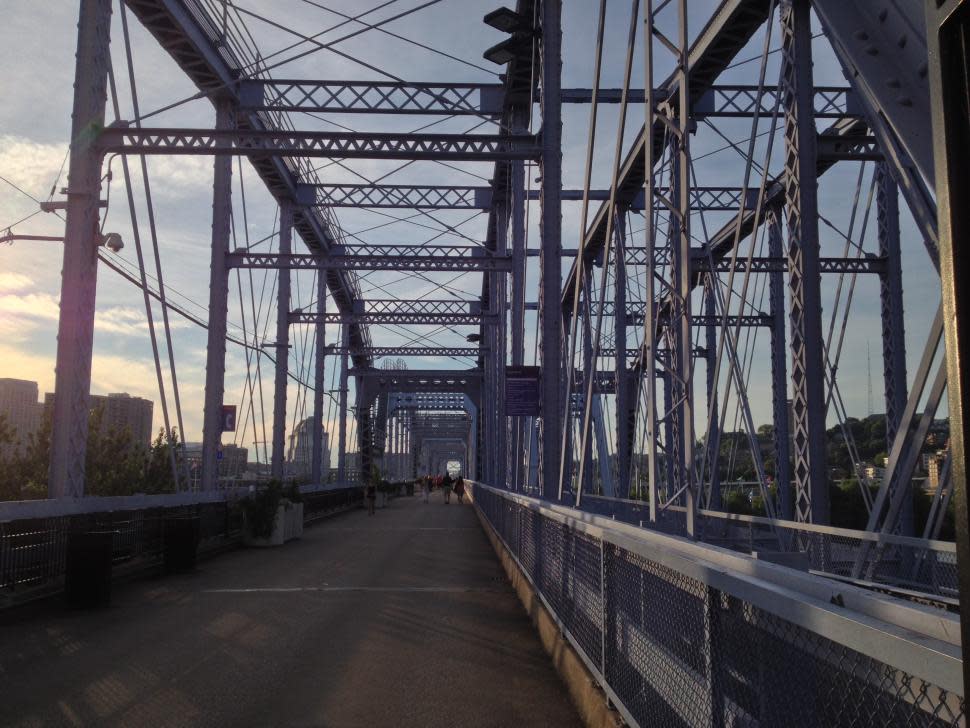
674	648
914	564
33	551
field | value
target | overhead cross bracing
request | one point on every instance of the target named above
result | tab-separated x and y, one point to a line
282	125
725	192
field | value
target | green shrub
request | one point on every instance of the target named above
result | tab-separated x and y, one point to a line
259	509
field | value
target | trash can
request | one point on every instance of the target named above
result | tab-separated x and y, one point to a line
87	577
180	535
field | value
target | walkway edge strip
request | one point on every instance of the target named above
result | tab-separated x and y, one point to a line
587	695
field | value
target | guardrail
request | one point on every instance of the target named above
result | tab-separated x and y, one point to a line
683	633
917	564
34	534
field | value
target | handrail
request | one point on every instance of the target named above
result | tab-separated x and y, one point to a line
53	508
875	537
915	639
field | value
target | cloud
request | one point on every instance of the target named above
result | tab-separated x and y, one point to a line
14	282
128	321
22	313
31	165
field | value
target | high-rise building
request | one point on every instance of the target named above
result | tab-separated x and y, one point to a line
233	463
20	411
119	412
299	457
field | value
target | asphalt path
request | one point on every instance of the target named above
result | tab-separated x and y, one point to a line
400	619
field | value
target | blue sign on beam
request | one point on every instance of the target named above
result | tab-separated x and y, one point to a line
522	391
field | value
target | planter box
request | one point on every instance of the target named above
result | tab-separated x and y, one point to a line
287	526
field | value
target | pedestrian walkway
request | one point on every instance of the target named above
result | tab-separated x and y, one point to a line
403	618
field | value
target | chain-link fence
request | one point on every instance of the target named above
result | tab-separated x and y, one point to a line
678	642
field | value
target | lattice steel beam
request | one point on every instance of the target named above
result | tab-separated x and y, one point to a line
869	264
402	317
742	101
351	97
440	197
479	99
340	145
636	310
380	257
377	352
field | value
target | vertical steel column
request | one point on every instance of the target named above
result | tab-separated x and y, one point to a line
801	199
710	358
668	429
893	325
282	343
779	368
342	406
625	406
499	303
319	380
681	366
215	363
680	374
517	180
947	32
649	373
584	473
891	300
79	276
550	249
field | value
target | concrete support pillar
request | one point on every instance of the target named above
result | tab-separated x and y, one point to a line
79	275
282	344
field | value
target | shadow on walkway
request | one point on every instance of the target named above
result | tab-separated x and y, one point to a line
400	619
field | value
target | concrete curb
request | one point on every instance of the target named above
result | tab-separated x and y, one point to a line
589	699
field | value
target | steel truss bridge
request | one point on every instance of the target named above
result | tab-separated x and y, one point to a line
731	212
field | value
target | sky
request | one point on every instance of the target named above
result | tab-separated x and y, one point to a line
37	45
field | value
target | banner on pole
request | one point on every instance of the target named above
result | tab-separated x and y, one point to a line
522	391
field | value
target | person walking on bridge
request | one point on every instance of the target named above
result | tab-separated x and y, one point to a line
446	487
460	488
370	492
426	487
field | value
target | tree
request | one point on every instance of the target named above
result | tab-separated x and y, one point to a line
115	464
158	471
